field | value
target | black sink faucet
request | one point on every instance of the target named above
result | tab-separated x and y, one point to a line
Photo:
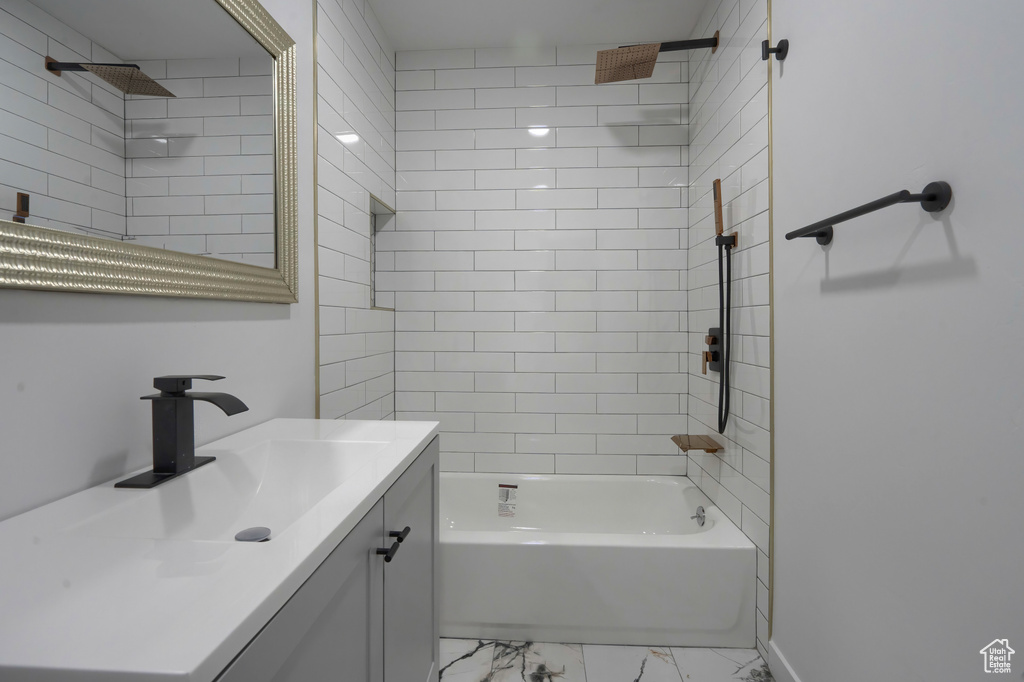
174	445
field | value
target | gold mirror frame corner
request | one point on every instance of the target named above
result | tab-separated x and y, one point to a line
51	260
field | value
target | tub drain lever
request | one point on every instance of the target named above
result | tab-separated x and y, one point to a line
699	516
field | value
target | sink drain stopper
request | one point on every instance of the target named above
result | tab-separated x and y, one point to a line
254	534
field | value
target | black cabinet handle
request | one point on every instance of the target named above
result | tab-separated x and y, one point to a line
390	552
400	534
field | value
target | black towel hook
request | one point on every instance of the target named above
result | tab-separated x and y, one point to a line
780	52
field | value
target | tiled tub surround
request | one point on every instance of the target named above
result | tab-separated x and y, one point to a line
474	660
729	140
537	262
596	559
200	167
61	138
355	158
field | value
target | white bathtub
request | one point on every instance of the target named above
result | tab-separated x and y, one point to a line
593	559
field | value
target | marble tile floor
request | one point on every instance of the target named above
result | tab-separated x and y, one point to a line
470	660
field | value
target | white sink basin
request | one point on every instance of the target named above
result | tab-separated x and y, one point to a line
107	583
271	484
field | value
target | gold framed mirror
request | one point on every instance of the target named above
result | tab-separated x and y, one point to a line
53	259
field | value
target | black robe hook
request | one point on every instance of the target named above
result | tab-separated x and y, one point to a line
780	52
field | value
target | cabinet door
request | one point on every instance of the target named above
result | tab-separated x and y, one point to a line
410	579
331	628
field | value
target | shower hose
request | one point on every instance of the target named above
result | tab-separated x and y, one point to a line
725	324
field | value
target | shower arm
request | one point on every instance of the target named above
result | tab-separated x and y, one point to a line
57	67
686	44
690	44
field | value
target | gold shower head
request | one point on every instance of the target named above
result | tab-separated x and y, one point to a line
637	61
626	63
128	78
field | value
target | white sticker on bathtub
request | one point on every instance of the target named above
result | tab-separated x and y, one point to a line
507	499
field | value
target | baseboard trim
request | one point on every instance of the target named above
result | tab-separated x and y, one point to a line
779	666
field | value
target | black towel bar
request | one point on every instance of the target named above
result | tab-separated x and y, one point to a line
935	197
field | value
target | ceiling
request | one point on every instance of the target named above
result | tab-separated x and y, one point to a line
446	24
156	29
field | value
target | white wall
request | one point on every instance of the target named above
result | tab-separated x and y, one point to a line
898	364
729	140
61	137
356	159
200	166
74	365
540	278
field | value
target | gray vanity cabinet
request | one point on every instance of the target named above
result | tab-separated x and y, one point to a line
359	618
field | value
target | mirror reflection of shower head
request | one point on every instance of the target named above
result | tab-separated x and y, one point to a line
128	78
630	62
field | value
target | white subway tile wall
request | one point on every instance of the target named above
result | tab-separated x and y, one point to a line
552	298
728	109
356	158
200	167
538	260
61	137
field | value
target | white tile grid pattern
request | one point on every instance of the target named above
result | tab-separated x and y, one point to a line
63	136
538	260
200	167
729	140
355	158
468	660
